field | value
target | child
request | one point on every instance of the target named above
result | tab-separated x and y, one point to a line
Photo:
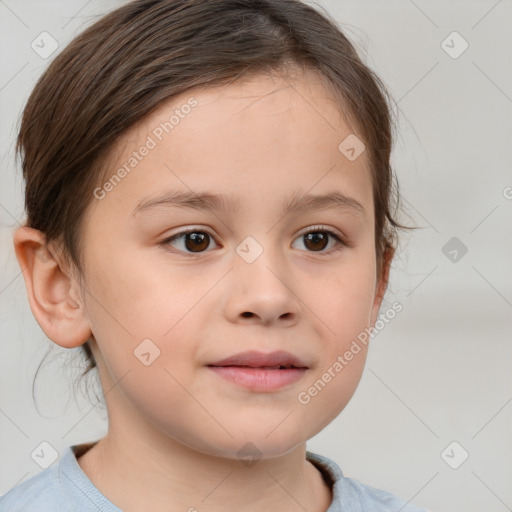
209	216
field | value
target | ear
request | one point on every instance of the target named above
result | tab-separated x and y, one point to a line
52	294
382	283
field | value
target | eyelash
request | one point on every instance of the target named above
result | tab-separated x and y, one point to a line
340	243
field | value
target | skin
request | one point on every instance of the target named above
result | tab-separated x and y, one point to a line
175	427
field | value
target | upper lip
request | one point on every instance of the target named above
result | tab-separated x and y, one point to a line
257	359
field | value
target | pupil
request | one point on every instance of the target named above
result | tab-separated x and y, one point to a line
315	237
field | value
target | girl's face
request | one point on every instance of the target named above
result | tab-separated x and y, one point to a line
163	305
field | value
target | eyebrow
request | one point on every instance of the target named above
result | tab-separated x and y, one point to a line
220	203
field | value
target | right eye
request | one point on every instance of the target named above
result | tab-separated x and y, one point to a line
191	241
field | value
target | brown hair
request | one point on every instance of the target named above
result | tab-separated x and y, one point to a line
122	67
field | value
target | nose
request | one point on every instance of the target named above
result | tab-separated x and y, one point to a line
261	292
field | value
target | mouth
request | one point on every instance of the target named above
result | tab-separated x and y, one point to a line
278	360
260	372
259	379
277	367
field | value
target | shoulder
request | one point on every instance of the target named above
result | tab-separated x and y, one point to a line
63	487
381	500
350	494
40	493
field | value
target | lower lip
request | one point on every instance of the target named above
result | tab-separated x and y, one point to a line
259	379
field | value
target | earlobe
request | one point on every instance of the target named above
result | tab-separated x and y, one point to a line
52	294
382	283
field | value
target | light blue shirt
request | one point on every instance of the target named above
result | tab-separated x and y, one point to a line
65	487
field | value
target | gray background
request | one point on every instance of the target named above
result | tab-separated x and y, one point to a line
441	370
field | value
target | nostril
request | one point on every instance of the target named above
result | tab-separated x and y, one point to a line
247	314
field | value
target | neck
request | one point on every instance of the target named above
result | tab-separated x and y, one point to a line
136	474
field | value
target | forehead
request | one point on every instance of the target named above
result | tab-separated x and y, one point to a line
263	134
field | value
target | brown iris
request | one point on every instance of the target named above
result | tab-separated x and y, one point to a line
197	241
316	241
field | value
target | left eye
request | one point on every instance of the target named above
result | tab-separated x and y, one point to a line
315	239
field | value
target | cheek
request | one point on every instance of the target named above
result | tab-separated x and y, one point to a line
139	314
343	301
137	300
151	372
342	305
